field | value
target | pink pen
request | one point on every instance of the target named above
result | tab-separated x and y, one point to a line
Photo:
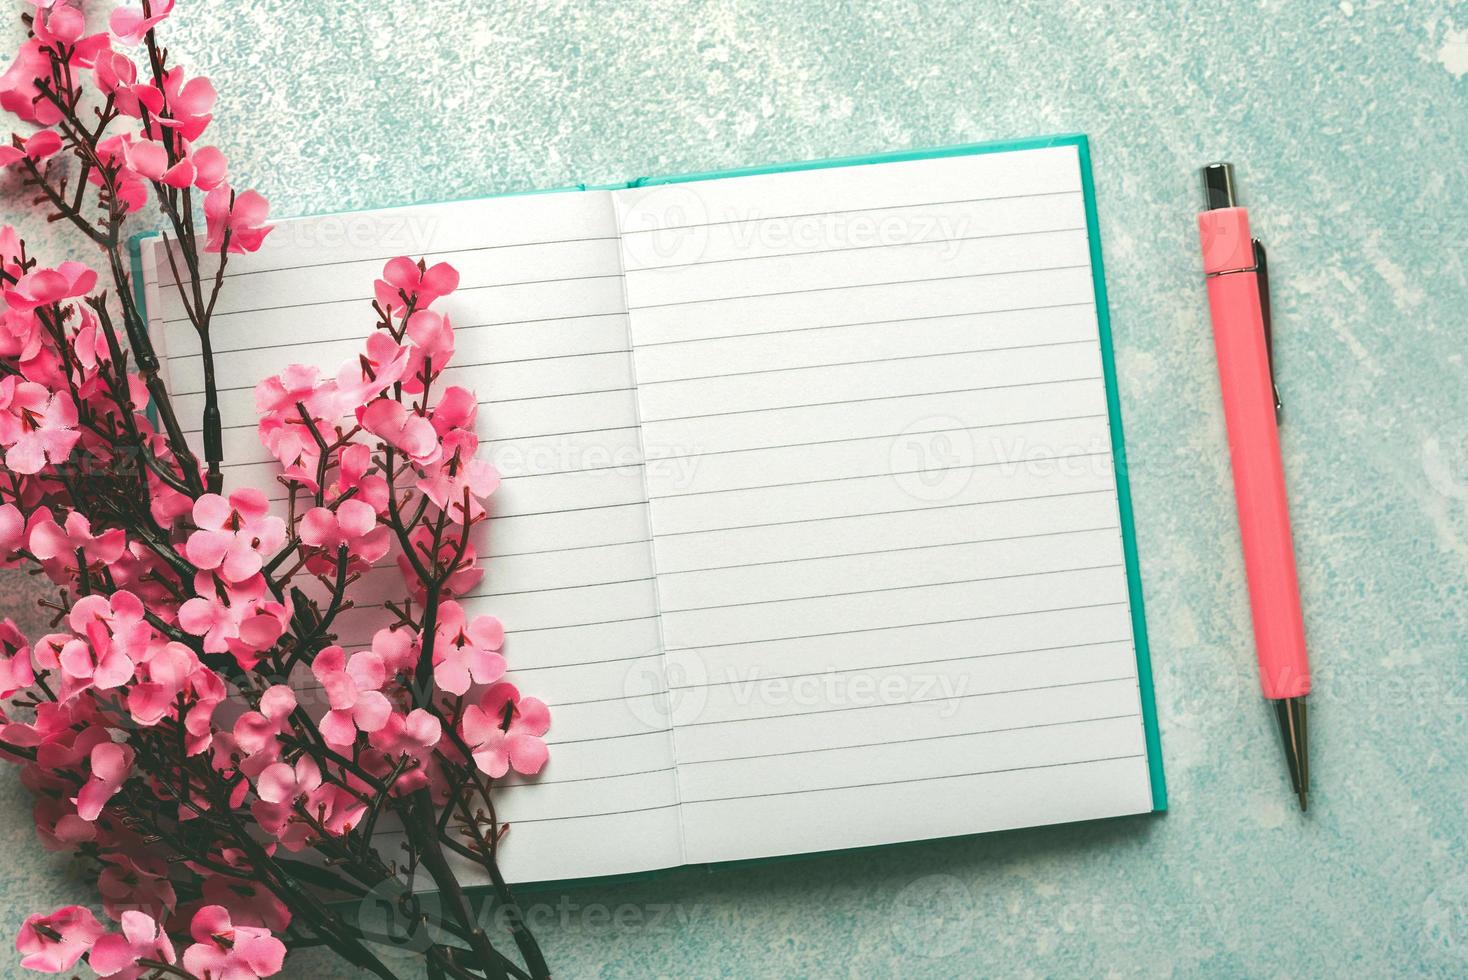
1238	297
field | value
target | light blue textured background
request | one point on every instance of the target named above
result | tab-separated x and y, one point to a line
1349	122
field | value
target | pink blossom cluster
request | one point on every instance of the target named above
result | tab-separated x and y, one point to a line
196	720
171	111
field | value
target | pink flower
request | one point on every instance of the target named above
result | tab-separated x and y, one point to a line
279	393
117	622
466	652
84	666
398	647
114	71
279	788
12	531
132	191
49	541
352	526
58	826
16	672
412	734
343	810
189	104
254	731
208	691
458	470
456	409
111	636
284	785
225	951
164	674
403	275
292	446
42	287
115	956
213	616
433	347
36	148
53	722
54	943
361	380
18	92
146	158
62	30
210	167
129	24
465	572
111	765
250	903
136	882
39	428
354	691
498	749
241	217
355	471
395	425
235	535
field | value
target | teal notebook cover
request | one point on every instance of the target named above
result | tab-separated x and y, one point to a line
1127	519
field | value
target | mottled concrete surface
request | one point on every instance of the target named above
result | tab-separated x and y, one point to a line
1350	125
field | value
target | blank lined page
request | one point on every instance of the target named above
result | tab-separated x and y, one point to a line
541	333
889	557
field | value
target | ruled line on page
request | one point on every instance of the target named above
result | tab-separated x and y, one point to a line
457	329
511	477
460	292
902	626
866	323
763	678
502	785
626	233
753	411
591	816
882	436
296	267
863	285
891	588
917	779
878	513
876	398
530	437
838	709
482	402
539	590
871	360
939	699
885	551
456	367
684	763
885	474
858	248
574	547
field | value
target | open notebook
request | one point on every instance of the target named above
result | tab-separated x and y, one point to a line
811	532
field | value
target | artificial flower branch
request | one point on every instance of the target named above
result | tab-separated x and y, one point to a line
164	726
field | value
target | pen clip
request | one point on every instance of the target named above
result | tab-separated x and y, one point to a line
1261	270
